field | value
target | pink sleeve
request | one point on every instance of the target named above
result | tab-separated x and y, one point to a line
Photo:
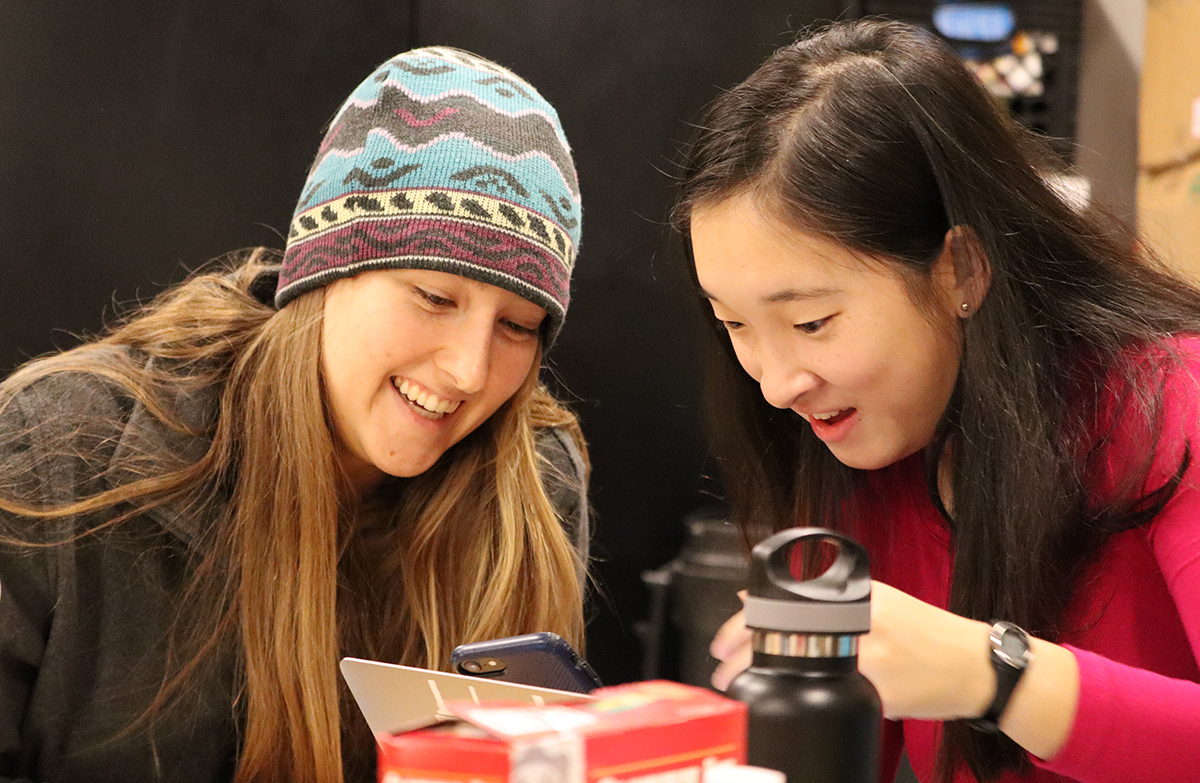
1134	725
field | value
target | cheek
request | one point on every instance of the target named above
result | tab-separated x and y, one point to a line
341	364
853	363
354	368
747	357
338	404
946	366
898	346
510	367
333	366
929	375
939	349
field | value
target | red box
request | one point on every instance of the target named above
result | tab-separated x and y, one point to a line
645	732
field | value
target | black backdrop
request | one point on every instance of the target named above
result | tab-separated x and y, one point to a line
138	140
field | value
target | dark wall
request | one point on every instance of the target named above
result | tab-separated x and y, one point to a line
138	140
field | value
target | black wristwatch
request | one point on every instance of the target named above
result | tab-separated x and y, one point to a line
1010	657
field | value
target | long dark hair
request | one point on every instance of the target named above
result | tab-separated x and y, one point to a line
874	134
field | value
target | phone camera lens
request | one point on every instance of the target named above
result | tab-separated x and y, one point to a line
473	667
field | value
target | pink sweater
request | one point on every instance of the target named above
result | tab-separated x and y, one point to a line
1137	611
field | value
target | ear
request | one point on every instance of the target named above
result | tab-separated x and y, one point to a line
962	271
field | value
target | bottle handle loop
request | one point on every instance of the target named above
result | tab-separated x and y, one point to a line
776	560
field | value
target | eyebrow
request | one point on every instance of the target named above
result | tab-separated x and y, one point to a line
786	295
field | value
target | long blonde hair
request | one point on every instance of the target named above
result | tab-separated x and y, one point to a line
295	571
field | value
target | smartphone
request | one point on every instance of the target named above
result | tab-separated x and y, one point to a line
542	659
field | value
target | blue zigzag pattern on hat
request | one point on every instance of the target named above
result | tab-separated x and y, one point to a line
414	123
384	162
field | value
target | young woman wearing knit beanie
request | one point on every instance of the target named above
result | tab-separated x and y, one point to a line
343	451
917	341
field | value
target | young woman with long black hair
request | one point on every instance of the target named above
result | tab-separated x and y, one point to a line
918	342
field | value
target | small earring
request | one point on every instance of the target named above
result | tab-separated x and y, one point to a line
966	308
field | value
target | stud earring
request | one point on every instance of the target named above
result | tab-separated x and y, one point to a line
966	308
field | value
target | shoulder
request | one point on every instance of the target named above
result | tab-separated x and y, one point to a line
1147	412
57	438
1172	365
1178	438
64	423
560	453
1175	428
1183	377
77	432
66	399
564	471
1181	391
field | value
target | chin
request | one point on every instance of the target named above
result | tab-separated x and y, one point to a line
410	471
867	461
407	468
875	460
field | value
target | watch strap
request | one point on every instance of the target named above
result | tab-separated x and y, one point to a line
1009	670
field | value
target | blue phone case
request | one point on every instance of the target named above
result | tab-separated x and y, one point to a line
542	659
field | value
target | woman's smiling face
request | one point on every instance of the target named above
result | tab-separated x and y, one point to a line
414	360
836	339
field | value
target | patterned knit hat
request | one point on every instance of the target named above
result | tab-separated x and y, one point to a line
441	160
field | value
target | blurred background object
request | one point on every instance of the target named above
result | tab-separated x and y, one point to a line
1169	133
691	597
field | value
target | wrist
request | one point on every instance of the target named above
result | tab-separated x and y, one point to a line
977	684
1042	710
1009	655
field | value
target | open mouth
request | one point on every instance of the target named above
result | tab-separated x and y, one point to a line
834	418
426	404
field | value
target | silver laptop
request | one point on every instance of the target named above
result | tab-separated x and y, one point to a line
396	698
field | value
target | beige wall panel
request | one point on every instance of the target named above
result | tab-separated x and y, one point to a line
1169	151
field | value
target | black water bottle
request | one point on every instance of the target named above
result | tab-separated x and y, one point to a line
812	715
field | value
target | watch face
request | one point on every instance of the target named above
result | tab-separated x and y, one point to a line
1014	646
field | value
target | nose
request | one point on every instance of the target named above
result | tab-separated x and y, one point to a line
783	380
466	356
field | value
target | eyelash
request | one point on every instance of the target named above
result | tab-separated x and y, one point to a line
442	302
433	299
523	331
812	327
808	327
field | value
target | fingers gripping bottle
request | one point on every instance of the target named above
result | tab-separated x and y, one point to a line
812	715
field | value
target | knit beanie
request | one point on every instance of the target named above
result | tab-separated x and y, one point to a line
446	161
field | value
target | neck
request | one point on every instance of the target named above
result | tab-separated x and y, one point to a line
945	474
359	478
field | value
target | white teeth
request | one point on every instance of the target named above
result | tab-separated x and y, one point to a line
825	416
426	399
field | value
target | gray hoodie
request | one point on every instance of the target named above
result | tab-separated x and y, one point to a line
83	625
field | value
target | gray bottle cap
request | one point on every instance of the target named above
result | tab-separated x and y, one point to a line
835	601
769	614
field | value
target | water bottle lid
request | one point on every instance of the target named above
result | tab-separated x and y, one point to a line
783	596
